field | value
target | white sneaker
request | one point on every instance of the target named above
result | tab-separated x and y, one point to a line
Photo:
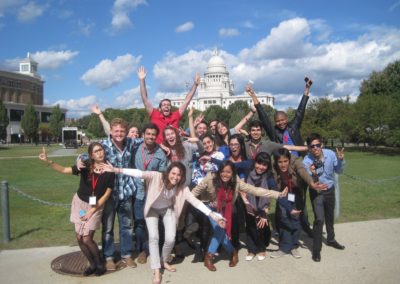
249	257
295	253
261	256
277	254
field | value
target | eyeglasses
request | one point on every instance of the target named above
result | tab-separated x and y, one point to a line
312	146
98	150
234	145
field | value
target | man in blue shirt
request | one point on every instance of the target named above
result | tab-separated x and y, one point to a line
322	164
147	157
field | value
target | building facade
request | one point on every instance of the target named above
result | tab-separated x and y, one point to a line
217	89
17	89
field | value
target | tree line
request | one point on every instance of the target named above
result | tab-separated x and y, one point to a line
373	119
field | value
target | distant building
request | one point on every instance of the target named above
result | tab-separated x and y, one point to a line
217	89
17	89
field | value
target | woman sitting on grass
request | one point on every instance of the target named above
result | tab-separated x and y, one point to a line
87	204
166	195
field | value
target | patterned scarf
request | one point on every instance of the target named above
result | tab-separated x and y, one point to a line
224	207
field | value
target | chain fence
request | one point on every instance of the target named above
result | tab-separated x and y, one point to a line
373	181
31	197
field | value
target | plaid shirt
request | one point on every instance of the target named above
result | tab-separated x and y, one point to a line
157	161
124	185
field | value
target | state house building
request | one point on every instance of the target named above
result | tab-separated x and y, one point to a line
217	89
17	89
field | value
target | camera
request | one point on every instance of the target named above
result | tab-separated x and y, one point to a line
318	164
308	81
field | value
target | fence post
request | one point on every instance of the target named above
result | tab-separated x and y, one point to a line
5	211
337	196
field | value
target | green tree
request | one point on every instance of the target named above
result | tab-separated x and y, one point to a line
56	122
216	112
4	121
95	128
30	123
237	111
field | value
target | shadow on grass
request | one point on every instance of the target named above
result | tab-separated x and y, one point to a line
23	234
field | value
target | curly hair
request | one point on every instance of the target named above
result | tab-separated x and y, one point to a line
178	147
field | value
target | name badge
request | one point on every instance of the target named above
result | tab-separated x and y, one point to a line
291	197
92	200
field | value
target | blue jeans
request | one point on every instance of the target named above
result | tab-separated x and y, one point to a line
142	239
219	237
290	229
123	208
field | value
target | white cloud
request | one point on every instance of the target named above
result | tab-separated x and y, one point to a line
130	99
6	5
281	41
53	59
228	32
108	73
77	107
173	72
248	24
120	13
30	11
278	62
184	27
85	27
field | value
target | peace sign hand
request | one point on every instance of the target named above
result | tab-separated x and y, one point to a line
43	155
340	153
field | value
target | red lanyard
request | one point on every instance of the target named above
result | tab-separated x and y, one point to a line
145	162
94	183
253	155
290	184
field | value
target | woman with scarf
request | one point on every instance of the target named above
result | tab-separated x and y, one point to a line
166	196
258	232
221	189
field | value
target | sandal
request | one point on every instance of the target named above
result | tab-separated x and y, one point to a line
168	267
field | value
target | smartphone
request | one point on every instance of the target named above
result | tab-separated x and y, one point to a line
82	213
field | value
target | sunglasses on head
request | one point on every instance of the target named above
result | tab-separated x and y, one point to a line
312	146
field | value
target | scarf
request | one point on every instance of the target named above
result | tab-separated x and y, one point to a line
224	207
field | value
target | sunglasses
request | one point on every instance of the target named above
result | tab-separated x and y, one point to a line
312	146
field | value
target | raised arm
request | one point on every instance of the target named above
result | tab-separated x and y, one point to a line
301	109
191	123
244	120
54	166
262	115
190	95
143	90
106	125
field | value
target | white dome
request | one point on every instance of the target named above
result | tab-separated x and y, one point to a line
216	65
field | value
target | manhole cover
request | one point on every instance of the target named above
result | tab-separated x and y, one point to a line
74	264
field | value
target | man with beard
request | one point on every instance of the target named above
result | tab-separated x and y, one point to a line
163	116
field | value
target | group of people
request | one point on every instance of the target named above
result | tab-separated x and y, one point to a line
228	180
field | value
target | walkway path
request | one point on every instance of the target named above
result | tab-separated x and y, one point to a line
372	255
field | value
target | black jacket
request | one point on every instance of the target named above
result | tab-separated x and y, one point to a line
274	133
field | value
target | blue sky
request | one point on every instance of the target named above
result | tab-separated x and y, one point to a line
89	50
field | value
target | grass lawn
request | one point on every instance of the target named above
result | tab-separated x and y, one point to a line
368	191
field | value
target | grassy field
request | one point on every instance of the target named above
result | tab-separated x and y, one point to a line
369	190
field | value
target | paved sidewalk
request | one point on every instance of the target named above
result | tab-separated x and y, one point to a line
372	255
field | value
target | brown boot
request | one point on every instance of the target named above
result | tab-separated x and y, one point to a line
208	262
234	259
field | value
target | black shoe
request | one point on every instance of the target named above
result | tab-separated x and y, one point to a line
309	233
100	270
316	256
89	271
335	244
